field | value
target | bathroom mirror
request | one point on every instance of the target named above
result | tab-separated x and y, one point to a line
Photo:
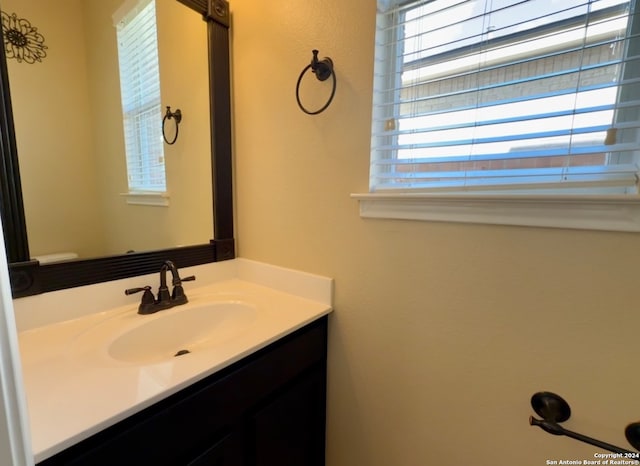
30	277
66	89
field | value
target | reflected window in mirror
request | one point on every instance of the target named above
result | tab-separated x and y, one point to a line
137	36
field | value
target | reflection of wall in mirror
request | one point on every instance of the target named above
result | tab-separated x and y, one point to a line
73	166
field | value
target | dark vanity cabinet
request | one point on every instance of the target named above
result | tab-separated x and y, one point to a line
268	409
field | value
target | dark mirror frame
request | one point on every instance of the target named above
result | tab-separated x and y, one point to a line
28	277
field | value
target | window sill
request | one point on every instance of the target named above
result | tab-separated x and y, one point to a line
608	213
147	198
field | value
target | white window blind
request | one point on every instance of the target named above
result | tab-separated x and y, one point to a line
534	96
140	93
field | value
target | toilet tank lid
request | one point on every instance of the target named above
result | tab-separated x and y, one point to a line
55	257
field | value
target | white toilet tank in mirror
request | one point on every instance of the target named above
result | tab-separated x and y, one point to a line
55	257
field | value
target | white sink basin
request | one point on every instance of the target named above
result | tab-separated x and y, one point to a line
187	330
176	332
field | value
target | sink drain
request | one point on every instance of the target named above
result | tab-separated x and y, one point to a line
181	352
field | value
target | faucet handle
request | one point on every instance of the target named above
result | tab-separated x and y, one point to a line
147	302
138	290
178	280
177	295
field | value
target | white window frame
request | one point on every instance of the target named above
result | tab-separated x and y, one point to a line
610	212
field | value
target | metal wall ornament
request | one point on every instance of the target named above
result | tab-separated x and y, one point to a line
22	41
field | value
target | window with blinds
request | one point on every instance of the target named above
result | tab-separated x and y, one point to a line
140	92
534	96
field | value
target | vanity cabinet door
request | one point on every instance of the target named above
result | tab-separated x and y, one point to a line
290	431
224	453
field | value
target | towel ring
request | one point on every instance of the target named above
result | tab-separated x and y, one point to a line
553	410
323	69
177	115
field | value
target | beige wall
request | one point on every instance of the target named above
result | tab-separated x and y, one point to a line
441	332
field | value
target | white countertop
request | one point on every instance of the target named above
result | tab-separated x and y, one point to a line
75	389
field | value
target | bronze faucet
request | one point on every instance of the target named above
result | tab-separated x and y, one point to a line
165	300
